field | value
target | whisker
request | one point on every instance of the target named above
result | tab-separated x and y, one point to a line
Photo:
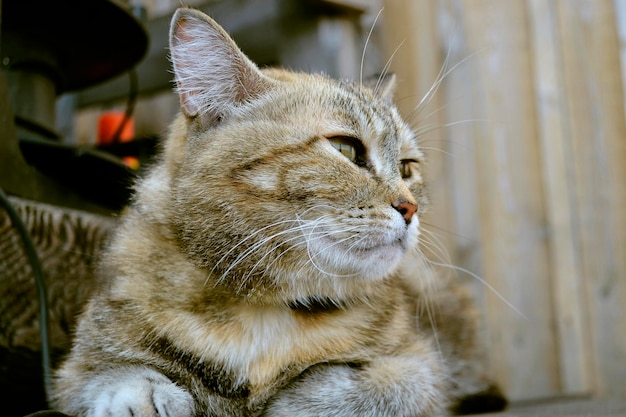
430	291
436	243
367	40
317	267
234	247
320	234
433	326
342	241
422	130
306	228
483	281
385	69
431	251
252	235
413	115
282	253
320	269
441	75
276	247
441	229
432	148
444	72
259	244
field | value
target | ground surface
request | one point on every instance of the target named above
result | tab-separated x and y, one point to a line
565	408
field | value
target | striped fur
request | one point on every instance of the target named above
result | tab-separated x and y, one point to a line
260	270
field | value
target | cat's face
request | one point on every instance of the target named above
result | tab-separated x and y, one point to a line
292	181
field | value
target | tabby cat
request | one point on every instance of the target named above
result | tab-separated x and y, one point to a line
264	267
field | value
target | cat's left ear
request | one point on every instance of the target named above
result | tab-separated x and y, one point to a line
212	75
384	85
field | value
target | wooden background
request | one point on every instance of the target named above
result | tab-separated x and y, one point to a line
526	138
528	169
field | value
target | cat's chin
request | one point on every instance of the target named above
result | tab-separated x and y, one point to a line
379	261
368	262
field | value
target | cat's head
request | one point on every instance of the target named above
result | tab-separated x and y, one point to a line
286	183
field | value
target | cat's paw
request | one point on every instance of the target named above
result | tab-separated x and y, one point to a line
385	387
145	394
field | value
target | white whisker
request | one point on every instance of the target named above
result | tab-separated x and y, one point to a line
255	247
422	130
367	40
435	246
385	69
236	246
441	75
484	282
320	234
251	236
433	326
317	267
432	148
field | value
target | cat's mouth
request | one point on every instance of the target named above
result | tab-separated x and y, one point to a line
368	252
376	248
379	240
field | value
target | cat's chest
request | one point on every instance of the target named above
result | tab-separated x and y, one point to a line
258	346
274	340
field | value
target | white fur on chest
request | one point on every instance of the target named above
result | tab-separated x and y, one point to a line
259	343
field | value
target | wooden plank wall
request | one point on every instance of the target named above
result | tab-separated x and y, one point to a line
528	170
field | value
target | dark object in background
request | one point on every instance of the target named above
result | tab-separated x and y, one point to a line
49	48
48	413
52	47
489	401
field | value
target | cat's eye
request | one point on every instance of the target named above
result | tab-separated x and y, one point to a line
405	168
349	147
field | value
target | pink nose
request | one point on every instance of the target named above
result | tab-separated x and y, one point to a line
407	210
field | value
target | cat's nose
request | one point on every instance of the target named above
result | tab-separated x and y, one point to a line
407	210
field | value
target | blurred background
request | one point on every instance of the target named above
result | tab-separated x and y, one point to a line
519	106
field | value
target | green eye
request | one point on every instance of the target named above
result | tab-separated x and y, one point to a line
345	148
349	147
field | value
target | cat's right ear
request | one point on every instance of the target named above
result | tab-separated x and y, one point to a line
383	85
212	75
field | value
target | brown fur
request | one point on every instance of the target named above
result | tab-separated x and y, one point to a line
256	271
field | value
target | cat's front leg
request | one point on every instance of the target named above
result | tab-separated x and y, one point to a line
392	386
129	392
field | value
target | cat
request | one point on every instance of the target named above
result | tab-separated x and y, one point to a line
264	266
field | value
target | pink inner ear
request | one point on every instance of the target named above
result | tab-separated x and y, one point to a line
213	76
197	58
179	31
